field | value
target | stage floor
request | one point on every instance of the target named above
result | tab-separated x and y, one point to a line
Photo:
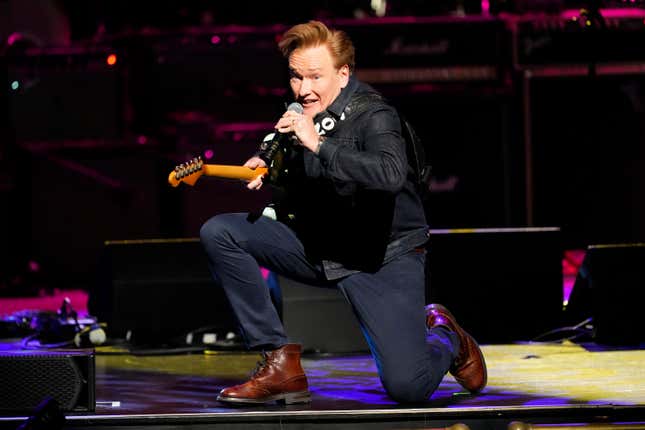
519	375
559	381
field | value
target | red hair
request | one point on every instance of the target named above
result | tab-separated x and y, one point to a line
315	33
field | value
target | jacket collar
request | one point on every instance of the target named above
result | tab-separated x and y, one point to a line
337	107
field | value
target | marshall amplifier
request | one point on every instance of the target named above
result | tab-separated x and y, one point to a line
407	50
443	72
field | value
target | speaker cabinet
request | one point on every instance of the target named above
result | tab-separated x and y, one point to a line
502	285
474	168
157	291
319	318
28	377
607	288
585	140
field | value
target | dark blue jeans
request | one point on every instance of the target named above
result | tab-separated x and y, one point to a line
411	360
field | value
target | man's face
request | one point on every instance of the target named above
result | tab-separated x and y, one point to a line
314	80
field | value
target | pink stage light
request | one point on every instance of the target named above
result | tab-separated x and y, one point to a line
485	7
208	154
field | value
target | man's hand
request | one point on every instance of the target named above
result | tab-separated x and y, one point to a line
302	126
253	163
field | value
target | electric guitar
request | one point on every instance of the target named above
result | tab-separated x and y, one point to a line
191	171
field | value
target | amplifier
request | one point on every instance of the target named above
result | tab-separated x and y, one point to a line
306	312
430	49
28	377
158	291
611	36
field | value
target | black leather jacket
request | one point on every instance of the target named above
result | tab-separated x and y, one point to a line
353	205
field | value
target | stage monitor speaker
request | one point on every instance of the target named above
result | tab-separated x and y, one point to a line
28	377
320	319
158	291
502	285
609	282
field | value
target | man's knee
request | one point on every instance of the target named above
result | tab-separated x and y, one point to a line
216	229
405	387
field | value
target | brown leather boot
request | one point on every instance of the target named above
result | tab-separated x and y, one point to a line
278	377
469	368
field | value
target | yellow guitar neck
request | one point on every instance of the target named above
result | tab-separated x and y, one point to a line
233	172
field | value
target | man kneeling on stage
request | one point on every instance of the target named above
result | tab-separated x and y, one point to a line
349	218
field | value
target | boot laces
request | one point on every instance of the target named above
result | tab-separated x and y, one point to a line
261	365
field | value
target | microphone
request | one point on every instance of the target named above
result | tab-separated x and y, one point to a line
274	141
296	107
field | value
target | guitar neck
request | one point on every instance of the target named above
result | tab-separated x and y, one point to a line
233	172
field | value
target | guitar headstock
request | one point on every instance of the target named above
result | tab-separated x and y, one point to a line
187	173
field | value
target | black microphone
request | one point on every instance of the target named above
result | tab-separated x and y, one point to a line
274	141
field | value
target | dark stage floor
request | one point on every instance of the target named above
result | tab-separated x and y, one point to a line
527	382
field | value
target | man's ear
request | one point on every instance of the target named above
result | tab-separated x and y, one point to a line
343	75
